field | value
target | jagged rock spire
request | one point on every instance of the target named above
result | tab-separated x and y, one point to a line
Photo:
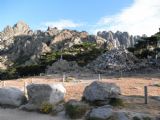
21	27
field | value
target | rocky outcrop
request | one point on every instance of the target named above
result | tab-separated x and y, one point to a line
68	38
108	113
64	35
98	91
2	66
52	31
119	38
3	62
63	66
20	45
11	97
100	113
27	49
39	94
142	116
114	61
8	34
121	116
62	40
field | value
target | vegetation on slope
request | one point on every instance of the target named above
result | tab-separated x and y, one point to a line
81	53
147	46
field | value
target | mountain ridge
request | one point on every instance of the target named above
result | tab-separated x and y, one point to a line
24	52
20	39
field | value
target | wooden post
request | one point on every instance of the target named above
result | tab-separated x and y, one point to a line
145	95
61	56
31	80
4	83
99	76
64	77
25	84
78	77
121	74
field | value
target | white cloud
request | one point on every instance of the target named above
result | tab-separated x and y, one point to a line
142	17
61	24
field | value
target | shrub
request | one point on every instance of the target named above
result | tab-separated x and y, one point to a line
30	70
157	85
136	118
146	118
94	118
10	73
75	109
70	79
46	108
116	102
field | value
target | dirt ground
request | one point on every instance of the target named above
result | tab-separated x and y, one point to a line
15	114
132	89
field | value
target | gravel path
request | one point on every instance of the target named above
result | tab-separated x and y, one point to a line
15	114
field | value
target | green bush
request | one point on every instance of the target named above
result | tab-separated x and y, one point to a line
142	48
116	102
76	110
81	53
70	79
93	118
30	70
157	85
46	108
146	118
10	73
136	118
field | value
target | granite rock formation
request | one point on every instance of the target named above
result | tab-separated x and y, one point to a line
21	46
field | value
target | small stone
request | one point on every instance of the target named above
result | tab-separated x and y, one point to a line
100	113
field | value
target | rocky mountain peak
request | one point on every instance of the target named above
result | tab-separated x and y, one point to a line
119	38
21	28
23	46
53	31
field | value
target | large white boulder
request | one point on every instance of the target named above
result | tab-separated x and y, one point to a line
11	97
44	93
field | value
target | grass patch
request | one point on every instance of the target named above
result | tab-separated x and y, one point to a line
93	118
46	108
116	102
146	118
136	118
75	109
157	85
70	79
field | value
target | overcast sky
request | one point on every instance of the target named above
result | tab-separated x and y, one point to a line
135	16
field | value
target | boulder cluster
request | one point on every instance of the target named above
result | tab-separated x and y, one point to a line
63	66
37	94
116	60
50	99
